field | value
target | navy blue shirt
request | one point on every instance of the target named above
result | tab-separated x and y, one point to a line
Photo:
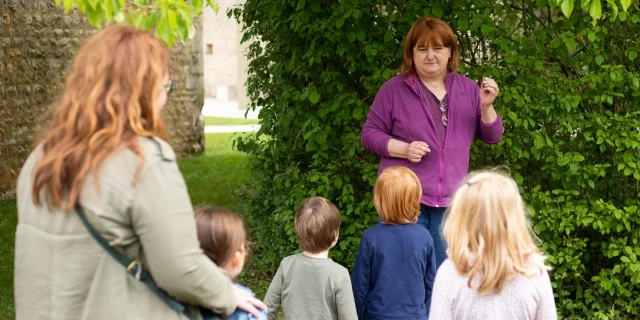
394	273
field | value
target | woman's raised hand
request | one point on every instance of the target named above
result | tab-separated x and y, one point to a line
488	91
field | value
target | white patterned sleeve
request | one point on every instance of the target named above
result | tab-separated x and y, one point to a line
441	296
546	309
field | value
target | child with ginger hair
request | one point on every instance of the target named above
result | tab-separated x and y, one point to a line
396	264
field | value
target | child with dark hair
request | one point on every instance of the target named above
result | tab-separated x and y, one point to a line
222	237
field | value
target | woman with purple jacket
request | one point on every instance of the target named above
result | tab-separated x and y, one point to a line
427	117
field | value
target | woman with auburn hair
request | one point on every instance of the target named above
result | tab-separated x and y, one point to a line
104	165
427	117
494	270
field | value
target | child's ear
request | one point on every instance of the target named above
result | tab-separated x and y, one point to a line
236	260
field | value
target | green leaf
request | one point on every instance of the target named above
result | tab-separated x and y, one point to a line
623	16
567	7
164	31
357	112
592	36
339	23
599	60
94	17
197	6
93	3
625	4
173	22
321	137
67	5
564	161
595	10
614	9
437	11
625	259
314	97
387	36
463	23
485	29
632	55
571	43
518	177
314	178
539	65
300	5
556	42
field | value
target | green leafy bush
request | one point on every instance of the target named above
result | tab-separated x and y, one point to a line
569	93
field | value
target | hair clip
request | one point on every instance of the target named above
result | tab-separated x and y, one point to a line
469	183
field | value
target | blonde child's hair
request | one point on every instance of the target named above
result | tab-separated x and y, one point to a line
488	232
397	195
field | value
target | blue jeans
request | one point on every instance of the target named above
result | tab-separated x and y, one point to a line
431	218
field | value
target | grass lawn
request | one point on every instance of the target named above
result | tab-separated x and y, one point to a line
8	222
214	121
213	179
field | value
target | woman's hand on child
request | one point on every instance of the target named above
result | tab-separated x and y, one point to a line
247	302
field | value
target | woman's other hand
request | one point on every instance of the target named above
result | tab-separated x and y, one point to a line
488	91
245	301
416	150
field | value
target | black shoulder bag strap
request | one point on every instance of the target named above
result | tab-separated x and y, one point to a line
134	268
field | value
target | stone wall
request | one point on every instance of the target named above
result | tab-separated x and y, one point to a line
37	44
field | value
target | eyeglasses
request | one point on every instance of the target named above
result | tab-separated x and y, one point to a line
443	109
170	87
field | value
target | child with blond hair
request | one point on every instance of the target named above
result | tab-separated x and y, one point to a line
494	270
223	238
396	265
309	285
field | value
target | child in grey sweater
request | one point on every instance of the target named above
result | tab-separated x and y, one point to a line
309	285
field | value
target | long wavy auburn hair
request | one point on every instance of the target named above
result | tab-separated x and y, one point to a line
109	100
488	233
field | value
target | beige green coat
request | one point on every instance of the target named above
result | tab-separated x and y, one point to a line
62	273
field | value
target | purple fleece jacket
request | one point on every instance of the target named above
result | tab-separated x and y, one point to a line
398	112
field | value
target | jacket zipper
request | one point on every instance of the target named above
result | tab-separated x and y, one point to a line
446	137
441	162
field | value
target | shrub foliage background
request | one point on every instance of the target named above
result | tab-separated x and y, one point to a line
569	92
